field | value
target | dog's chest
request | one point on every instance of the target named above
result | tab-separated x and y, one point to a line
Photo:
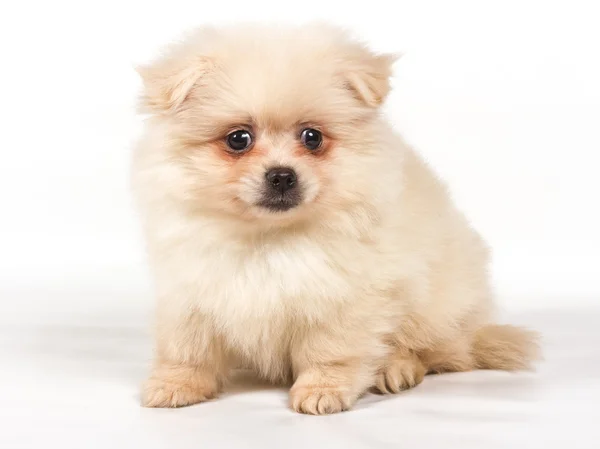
271	282
261	299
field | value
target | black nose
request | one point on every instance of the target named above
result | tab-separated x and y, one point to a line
281	179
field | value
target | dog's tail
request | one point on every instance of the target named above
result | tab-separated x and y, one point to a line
505	347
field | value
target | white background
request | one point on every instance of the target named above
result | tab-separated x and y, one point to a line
502	97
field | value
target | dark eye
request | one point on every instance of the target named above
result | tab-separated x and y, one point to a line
311	138
239	140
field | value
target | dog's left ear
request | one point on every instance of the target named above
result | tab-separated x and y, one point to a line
369	77
167	83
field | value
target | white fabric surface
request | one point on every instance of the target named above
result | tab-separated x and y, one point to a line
71	370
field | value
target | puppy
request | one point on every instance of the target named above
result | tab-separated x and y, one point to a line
291	231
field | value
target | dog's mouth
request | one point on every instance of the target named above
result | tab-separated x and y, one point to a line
280	202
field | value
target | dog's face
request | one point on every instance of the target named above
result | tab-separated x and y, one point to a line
269	125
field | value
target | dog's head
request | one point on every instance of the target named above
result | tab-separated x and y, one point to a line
270	125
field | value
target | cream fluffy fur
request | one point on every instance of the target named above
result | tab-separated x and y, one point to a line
374	280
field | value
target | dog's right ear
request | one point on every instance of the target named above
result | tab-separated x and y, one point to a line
168	83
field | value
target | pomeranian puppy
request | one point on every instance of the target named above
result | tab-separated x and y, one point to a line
291	231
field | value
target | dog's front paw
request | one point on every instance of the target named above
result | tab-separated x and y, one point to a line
178	387
319	400
402	372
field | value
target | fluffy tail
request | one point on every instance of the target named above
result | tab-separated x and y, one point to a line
505	347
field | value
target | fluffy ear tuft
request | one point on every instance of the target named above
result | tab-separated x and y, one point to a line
168	83
369	78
